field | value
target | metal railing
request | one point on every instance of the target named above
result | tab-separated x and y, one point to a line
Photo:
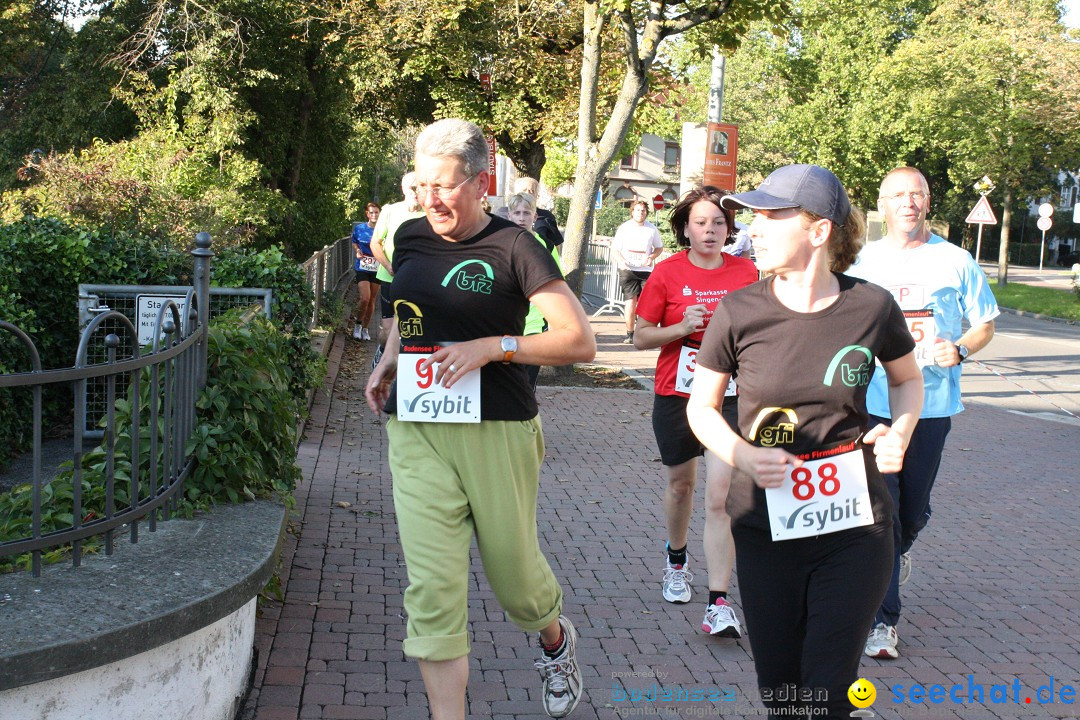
136	302
144	462
600	287
325	270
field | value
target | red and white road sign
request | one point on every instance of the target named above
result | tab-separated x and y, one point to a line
982	213
658	202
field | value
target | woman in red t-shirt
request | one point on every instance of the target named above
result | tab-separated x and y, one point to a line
673	312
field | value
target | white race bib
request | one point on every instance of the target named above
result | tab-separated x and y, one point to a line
822	496
684	371
921	325
368	263
421	399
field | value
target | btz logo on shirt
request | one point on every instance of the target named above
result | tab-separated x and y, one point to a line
852	371
478	282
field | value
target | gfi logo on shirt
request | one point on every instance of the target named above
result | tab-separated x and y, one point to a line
478	282
780	433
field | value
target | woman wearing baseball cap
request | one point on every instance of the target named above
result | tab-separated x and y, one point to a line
811	515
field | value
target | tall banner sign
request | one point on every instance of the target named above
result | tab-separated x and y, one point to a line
493	182
721	155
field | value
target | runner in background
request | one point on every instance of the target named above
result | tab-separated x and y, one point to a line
382	247
937	285
672	314
521	210
810	512
367	287
634	248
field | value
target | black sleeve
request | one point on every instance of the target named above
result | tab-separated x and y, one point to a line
532	264
717	350
897	341
548	228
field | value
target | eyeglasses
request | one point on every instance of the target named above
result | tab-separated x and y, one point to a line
917	196
440	192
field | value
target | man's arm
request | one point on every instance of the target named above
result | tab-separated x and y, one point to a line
975	339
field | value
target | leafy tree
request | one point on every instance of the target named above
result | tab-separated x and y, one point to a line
986	87
641	29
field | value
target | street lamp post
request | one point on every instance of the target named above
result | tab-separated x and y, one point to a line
984	187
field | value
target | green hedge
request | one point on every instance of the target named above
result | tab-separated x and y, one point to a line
45	259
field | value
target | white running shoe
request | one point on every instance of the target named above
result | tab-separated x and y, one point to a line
365	335
882	642
905	567
357	332
677	582
562	675
720	620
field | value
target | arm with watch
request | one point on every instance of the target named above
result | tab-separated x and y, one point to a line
947	354
568	339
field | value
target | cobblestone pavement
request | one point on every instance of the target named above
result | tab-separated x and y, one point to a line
993	598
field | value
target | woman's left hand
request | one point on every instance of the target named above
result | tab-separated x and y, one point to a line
889	447
457	359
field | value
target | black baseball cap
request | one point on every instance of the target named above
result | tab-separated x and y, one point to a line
810	187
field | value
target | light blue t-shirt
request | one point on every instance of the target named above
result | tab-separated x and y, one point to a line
936	285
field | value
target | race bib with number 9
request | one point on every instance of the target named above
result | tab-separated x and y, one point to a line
421	399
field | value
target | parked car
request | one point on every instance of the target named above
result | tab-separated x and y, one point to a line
1069	259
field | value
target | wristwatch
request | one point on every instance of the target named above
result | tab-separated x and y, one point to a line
509	347
963	352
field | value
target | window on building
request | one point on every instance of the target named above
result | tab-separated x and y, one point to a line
672	155
625	196
629	162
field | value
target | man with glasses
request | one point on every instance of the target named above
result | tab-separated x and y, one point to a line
937	285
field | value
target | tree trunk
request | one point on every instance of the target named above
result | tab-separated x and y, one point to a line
1003	250
527	154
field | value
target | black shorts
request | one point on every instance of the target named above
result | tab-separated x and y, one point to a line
677	442
386	308
364	276
632	281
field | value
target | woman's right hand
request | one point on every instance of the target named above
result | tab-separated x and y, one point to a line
694	318
767	466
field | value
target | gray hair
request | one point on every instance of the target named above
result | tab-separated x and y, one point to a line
458	139
527	185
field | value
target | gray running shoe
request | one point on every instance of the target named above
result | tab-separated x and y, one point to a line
720	620
882	642
677	582
562	675
905	567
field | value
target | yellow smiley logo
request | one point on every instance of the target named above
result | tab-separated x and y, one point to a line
862	693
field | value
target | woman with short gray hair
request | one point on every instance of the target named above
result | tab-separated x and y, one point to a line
465	437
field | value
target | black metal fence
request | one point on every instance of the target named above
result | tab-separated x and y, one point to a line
162	382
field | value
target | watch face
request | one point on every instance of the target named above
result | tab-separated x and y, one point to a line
509	344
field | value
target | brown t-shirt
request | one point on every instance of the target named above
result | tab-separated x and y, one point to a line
803	376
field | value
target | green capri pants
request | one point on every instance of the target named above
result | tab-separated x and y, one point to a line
452	480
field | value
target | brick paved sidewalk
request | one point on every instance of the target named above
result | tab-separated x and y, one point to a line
994	592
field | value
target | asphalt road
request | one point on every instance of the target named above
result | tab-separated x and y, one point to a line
1031	366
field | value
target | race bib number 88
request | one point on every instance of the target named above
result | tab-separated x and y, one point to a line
821	496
